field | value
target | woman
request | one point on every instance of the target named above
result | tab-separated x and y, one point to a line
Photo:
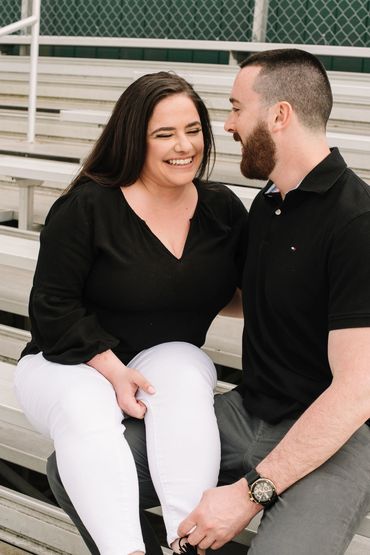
136	259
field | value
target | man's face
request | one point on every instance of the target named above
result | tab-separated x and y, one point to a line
248	123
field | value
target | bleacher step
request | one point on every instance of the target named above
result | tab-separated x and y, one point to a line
7	549
42	528
6	215
18	252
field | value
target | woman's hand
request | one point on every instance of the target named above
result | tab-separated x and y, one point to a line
125	381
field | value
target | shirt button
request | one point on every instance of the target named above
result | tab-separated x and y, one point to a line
278	211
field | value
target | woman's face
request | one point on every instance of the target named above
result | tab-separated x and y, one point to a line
174	143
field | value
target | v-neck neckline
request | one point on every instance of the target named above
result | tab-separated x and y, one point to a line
151	232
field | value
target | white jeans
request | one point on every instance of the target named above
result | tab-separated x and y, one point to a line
76	407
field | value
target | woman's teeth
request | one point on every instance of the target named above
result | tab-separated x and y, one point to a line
179	162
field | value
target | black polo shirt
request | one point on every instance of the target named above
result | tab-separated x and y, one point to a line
307	272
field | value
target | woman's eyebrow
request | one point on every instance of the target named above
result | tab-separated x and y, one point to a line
193	123
172	128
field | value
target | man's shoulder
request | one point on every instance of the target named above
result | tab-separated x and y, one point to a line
352	195
352	180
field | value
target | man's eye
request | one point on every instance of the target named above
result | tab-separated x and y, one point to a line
233	109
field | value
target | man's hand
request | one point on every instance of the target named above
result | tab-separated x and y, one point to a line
221	514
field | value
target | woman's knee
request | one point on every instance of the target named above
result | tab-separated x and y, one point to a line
176	363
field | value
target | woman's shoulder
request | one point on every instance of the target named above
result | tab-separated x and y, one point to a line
90	190
217	202
216	189
81	200
213	187
215	192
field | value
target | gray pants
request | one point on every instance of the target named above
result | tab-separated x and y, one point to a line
318	515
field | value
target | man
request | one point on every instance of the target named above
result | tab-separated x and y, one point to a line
298	419
294	442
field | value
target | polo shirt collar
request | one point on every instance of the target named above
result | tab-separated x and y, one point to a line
321	178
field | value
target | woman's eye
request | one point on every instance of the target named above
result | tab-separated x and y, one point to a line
195	131
164	136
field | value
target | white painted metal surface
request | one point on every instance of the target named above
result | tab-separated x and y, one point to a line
18	252
33	22
34	54
17	26
40	528
41	170
228	46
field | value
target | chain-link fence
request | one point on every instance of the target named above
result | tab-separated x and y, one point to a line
10	11
326	22
333	22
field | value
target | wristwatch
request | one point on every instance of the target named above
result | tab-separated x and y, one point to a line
261	490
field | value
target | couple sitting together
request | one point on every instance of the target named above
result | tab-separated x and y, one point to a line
138	257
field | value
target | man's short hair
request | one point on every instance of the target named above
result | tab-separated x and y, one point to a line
297	77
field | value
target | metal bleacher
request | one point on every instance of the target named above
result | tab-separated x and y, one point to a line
73	106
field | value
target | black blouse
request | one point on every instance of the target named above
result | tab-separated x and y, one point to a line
104	281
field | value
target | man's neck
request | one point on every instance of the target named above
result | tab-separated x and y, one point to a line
295	161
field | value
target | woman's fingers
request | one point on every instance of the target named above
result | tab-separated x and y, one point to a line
142	382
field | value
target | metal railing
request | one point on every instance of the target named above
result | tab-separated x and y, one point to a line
32	21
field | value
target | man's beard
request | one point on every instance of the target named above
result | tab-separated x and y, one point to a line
258	154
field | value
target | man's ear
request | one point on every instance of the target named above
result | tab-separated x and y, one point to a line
281	115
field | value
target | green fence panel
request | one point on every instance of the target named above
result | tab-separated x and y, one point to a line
9	12
286	21
172	19
334	22
56	19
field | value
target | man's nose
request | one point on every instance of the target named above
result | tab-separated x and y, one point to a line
229	124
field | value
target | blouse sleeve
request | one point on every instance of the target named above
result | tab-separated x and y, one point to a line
62	326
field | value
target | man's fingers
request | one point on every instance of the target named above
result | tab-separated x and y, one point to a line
196	537
206	543
186	526
218	544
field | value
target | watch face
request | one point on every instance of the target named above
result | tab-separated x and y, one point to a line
262	490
